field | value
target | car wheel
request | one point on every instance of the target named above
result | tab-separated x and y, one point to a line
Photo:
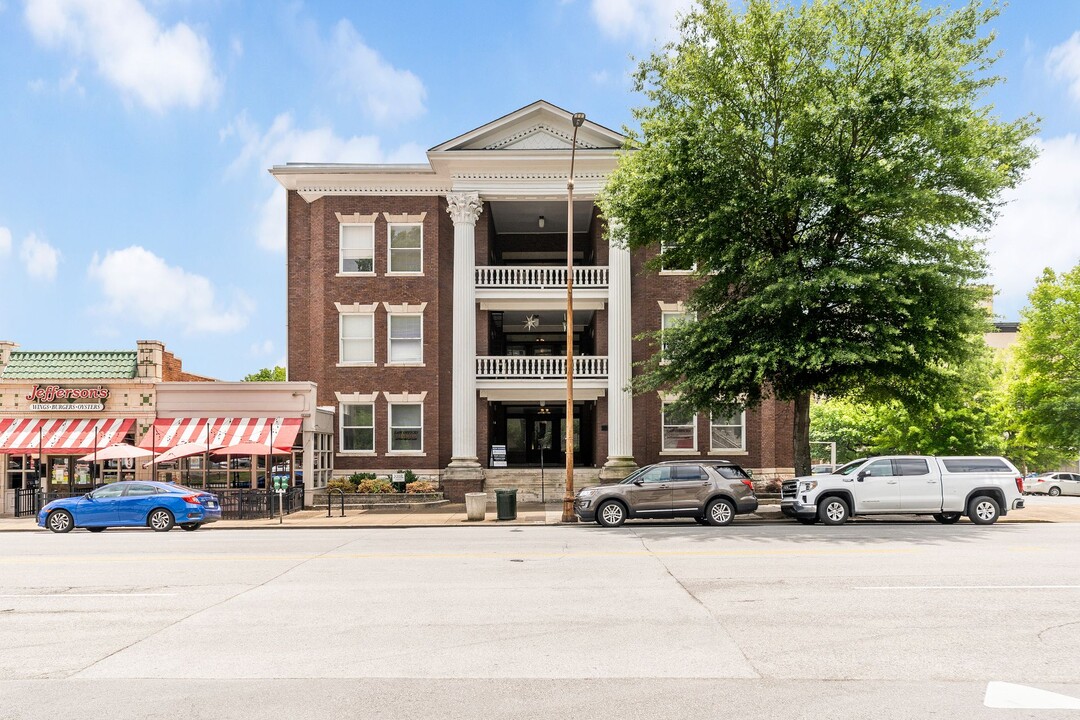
984	510
160	520
720	512
96	529
1054	491
806	521
833	511
947	518
190	526
60	521
611	514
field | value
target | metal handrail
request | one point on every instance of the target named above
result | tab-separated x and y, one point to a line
340	492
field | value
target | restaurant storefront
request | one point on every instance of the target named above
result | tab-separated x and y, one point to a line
58	409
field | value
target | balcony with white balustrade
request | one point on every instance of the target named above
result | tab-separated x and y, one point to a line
540	287
525	378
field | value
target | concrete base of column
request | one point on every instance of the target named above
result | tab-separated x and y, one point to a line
616	468
460	478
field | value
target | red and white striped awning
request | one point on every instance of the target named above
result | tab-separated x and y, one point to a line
56	436
167	433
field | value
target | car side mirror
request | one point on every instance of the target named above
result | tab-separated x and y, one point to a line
89	496
861	475
639	482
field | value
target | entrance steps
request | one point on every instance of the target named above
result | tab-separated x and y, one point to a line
532	488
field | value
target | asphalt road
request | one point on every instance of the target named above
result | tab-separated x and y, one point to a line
881	620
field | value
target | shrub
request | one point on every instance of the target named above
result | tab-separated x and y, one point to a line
772	486
420	486
375	485
343	484
357	478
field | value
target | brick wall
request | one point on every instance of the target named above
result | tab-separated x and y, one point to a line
172	370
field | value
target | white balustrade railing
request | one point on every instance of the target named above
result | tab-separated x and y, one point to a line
539	368
539	276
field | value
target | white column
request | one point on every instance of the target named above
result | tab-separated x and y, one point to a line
620	400
464	208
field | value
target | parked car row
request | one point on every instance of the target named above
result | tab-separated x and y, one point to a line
1053	484
713	492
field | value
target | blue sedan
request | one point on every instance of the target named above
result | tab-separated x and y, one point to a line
156	505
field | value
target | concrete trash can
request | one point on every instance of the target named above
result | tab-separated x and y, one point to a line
475	505
506	504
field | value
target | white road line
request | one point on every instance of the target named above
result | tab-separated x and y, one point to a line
88	595
968	587
1022	697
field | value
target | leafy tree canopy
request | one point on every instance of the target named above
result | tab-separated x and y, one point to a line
267	375
825	167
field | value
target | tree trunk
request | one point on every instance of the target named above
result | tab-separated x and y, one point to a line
801	434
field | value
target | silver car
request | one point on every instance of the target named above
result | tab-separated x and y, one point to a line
712	492
1054	484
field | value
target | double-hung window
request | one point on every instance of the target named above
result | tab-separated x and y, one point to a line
406	345
406	243
357	249
358	428
679	428
670	264
357	344
727	431
406	427
670	321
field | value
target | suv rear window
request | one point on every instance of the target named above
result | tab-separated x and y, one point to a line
731	472
966	465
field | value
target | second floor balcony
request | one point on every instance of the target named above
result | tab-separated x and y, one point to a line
540	287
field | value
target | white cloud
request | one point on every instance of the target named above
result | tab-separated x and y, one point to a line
160	67
39	257
284	142
137	285
1039	226
386	93
266	347
644	21
69	82
5	242
1064	62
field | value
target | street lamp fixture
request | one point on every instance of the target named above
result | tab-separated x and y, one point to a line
568	516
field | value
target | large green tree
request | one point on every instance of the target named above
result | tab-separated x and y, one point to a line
826	167
1047	388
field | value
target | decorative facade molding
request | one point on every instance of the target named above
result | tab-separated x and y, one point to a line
405	397
356	218
355	398
539	137
405	218
356	308
405	308
677	307
464	207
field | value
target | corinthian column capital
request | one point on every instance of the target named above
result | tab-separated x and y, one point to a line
464	207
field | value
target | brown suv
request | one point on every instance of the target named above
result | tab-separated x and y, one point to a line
711	491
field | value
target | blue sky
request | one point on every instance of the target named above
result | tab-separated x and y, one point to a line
136	134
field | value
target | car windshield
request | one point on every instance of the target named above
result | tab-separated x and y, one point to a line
634	475
850	467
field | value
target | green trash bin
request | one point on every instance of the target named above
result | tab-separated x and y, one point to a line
506	503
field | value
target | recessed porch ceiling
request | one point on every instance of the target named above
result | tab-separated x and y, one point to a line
520	218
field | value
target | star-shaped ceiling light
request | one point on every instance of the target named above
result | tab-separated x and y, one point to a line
532	322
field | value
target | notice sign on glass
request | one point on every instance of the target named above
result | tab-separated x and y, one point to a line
498	456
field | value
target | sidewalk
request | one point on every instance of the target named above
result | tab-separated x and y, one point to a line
450	515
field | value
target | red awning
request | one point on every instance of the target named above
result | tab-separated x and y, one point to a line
223	432
60	436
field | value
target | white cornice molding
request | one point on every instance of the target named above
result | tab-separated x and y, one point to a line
356	218
356	397
356	308
405	308
677	307
405	397
405	218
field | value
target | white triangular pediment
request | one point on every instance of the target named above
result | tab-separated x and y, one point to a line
539	126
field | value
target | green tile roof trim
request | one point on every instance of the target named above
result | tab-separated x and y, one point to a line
75	365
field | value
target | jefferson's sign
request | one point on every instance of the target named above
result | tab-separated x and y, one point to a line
64	399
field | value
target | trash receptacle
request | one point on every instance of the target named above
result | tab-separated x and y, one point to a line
506	503
475	505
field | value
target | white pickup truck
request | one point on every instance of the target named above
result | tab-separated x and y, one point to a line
982	488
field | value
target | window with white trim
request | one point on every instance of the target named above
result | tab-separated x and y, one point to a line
406	343
358	427
357	333
679	428
727	432
406	242
406	427
670	265
357	249
670	321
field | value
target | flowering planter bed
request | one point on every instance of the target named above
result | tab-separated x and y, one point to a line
367	500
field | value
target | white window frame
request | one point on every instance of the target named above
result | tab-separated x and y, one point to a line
342	426
418	362
674	271
342	339
390	429
341	249
390	248
742	435
664	450
664	314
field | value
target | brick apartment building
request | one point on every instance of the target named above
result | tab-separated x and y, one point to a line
428	302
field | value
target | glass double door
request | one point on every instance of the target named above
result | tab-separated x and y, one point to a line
536	437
